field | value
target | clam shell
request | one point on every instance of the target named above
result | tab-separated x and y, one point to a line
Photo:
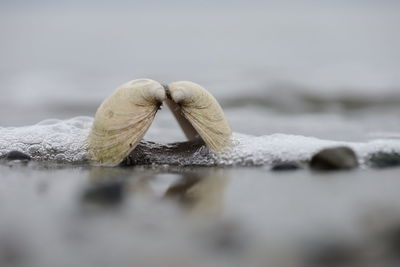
122	120
199	114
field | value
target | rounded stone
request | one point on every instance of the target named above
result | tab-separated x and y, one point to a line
384	160
17	155
336	158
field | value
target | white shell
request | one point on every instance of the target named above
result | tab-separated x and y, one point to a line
199	114
122	120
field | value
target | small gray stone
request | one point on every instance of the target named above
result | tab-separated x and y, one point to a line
384	160
17	155
337	158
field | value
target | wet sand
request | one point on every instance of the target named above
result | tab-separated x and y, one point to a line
179	216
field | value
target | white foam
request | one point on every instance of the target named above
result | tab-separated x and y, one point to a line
267	149
65	141
55	140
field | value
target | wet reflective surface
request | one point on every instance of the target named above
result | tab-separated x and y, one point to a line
174	216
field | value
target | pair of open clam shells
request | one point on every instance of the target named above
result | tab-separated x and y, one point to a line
123	118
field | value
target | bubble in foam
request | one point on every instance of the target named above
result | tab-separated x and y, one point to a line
65	141
54	140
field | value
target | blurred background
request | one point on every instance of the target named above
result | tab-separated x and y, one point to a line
329	69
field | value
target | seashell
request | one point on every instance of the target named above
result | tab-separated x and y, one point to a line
122	120
199	114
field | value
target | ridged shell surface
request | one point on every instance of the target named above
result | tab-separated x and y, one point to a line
122	120
203	112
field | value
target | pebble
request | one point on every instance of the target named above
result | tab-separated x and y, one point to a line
337	158
384	160
17	155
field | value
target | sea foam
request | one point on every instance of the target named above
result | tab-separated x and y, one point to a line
65	141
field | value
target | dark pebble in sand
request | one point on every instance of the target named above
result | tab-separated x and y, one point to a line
17	155
337	158
105	193
384	160
286	166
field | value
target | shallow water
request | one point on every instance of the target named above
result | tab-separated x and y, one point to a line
197	216
293	77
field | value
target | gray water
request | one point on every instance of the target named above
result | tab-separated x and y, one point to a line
293	77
